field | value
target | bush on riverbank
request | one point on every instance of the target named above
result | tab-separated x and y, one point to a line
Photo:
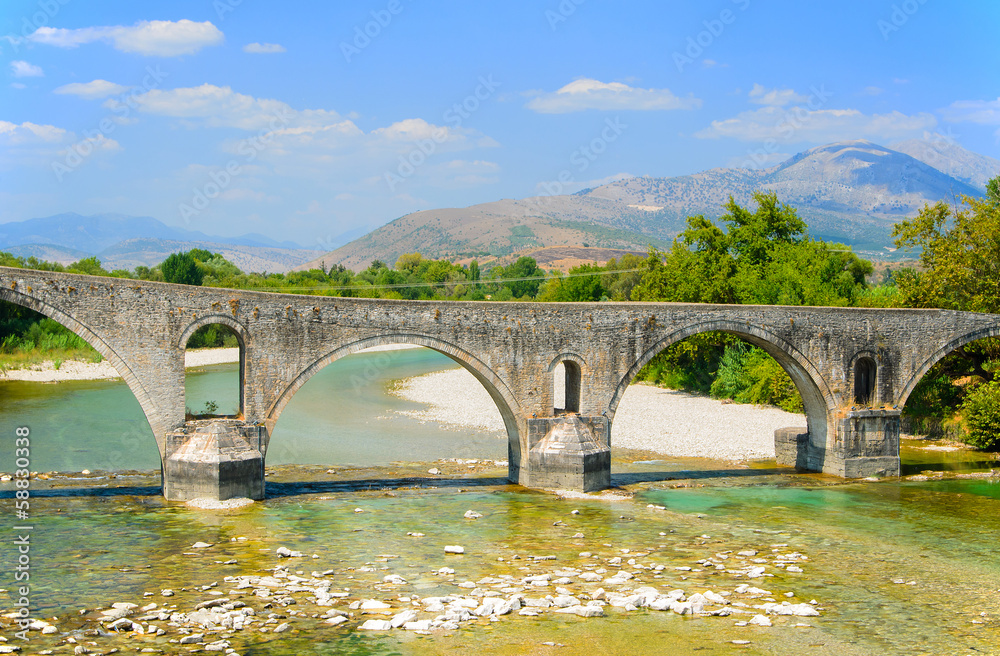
28	338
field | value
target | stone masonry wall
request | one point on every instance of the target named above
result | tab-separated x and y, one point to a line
140	327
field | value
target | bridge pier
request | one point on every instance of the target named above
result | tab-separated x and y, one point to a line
569	452
216	459
866	444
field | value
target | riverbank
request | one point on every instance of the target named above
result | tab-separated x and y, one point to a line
47	372
649	418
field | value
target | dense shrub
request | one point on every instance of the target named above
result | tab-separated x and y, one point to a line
981	411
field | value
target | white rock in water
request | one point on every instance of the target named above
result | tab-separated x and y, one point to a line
281	628
793	568
421	625
760	620
376	625
435	471
200	545
374	605
394	579
472	514
589	611
333	621
399	619
454	549
714	597
285	552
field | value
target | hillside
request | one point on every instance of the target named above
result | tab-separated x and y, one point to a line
850	191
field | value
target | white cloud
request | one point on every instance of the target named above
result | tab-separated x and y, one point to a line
157	38
214	106
585	93
799	124
21	68
774	97
31	133
264	48
32	144
92	90
984	112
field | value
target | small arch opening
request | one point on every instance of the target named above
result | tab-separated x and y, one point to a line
566	383
214	360
865	380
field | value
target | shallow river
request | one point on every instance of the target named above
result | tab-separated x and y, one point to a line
895	567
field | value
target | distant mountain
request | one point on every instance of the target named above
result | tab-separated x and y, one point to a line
126	241
852	191
131	253
952	159
93	234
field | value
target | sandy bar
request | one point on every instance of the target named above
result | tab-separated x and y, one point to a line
648	418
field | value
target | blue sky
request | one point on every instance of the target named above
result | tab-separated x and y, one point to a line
307	120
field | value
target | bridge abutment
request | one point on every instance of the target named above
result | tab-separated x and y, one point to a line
215	459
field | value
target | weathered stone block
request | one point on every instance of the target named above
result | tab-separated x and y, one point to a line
867	444
216	459
791	447
570	453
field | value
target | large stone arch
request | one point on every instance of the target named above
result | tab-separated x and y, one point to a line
242	337
817	397
498	390
953	345
145	400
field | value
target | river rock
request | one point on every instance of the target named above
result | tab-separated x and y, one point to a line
472	514
374	606
375	625
399	619
201	545
454	549
192	639
421	625
760	620
285	552
785	608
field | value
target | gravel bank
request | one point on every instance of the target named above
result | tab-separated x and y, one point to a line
73	370
649	418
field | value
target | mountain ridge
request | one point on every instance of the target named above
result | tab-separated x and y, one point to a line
850	191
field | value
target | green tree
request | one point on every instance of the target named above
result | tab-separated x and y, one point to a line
182	269
959	254
959	270
90	266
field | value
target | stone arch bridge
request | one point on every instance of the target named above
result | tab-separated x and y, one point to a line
854	367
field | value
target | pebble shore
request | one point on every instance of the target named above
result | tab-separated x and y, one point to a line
648	418
293	596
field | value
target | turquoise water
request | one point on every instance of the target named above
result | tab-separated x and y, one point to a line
897	567
342	416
